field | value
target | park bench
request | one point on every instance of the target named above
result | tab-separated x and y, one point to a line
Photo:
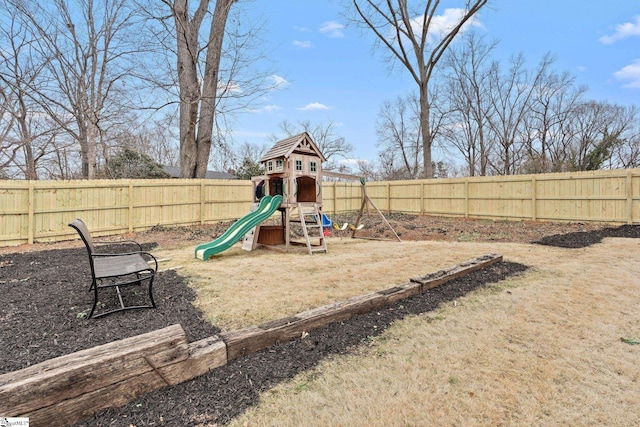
116	270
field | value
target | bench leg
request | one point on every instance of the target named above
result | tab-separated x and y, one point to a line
94	286
119	296
153	303
98	285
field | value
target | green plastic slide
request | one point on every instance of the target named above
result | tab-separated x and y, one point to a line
268	205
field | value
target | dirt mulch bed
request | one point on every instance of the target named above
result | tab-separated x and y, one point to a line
408	227
44	295
413	227
45	301
582	239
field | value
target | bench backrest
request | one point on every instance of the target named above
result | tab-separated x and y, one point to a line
83	231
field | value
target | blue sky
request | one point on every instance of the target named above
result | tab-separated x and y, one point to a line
330	72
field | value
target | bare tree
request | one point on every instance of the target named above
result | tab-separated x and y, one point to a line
247	160
8	148
29	134
549	123
211	63
253	152
412	37
599	129
89	50
521	120
198	93
510	97
62	162
398	130
153	138
627	154
368	171
324	135
467	79
390	168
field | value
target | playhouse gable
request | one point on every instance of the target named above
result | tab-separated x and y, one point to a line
301	144
293	169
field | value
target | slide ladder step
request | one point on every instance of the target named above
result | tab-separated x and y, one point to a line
315	224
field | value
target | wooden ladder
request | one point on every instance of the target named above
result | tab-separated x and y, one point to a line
314	223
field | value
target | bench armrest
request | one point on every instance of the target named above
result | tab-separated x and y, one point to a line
119	242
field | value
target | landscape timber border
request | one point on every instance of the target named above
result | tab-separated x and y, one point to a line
67	389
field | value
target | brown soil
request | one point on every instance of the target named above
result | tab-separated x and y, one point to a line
43	302
408	227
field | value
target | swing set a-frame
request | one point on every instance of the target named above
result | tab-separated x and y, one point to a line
366	202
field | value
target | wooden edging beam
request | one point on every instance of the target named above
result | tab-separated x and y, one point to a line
257	337
64	390
61	386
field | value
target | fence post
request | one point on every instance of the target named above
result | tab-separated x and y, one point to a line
629	188
203	194
534	198
31	216
421	197
388	197
466	197
131	227
335	197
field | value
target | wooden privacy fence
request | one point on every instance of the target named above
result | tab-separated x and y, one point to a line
598	196
39	211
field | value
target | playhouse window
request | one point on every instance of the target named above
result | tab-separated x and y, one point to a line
270	165
313	167
279	164
299	165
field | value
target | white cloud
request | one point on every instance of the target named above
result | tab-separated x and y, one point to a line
302	44
229	87
442	24
272	108
314	106
302	29
266	109
279	82
631	74
628	29
332	29
352	162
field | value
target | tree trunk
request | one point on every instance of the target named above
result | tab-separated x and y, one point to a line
87	148
425	129
187	45
93	136
197	105
210	86
30	172
87	172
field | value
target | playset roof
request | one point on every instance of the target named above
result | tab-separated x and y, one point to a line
301	143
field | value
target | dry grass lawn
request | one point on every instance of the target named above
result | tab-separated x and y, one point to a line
238	288
541	349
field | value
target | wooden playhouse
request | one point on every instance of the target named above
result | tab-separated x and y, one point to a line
293	169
